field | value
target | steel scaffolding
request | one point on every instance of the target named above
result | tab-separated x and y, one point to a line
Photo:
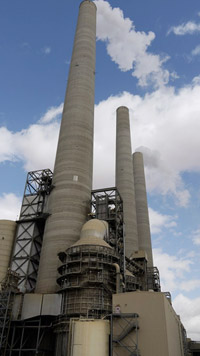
31	337
107	204
26	253
8	288
6	298
153	279
124	334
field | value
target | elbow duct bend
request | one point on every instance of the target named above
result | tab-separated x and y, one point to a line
118	277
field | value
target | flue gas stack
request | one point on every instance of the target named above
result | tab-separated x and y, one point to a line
72	179
125	179
144	234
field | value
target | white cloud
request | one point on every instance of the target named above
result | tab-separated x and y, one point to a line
189	310
34	146
173	270
6	145
189	285
159	221
128	47
10	205
165	126
46	50
185	28
196	51
196	237
51	114
196	80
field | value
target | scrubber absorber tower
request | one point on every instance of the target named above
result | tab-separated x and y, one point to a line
72	179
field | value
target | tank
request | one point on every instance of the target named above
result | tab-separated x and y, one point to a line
7	235
89	337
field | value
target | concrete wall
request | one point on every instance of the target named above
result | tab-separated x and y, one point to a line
7	235
173	325
69	200
159	326
39	304
125	179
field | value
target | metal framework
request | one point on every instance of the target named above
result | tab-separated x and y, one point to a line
6	298
107	204
31	337
153	279
146	277
26	254
138	267
127	327
8	288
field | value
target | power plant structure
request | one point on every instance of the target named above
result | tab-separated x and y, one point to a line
76	270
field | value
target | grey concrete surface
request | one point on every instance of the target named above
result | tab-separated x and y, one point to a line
7	236
69	200
144	234
125	179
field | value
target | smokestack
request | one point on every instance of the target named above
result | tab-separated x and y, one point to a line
125	179
72	179
144	234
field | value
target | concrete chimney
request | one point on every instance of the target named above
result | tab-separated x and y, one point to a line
144	235
125	179
72	179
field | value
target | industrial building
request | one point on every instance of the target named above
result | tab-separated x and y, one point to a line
76	270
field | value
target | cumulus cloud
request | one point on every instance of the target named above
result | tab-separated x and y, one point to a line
159	221
165	126
9	206
128	47
196	51
36	145
190	285
189	310
173	271
188	28
51	114
196	237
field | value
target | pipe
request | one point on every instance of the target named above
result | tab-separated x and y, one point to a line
118	278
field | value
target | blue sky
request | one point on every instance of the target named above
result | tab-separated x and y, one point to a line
148	56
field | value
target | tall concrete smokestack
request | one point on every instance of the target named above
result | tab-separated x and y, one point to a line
69	200
125	179
144	234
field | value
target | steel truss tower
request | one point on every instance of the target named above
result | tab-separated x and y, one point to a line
26	254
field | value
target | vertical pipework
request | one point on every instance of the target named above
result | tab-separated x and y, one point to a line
72	179
144	235
125	179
